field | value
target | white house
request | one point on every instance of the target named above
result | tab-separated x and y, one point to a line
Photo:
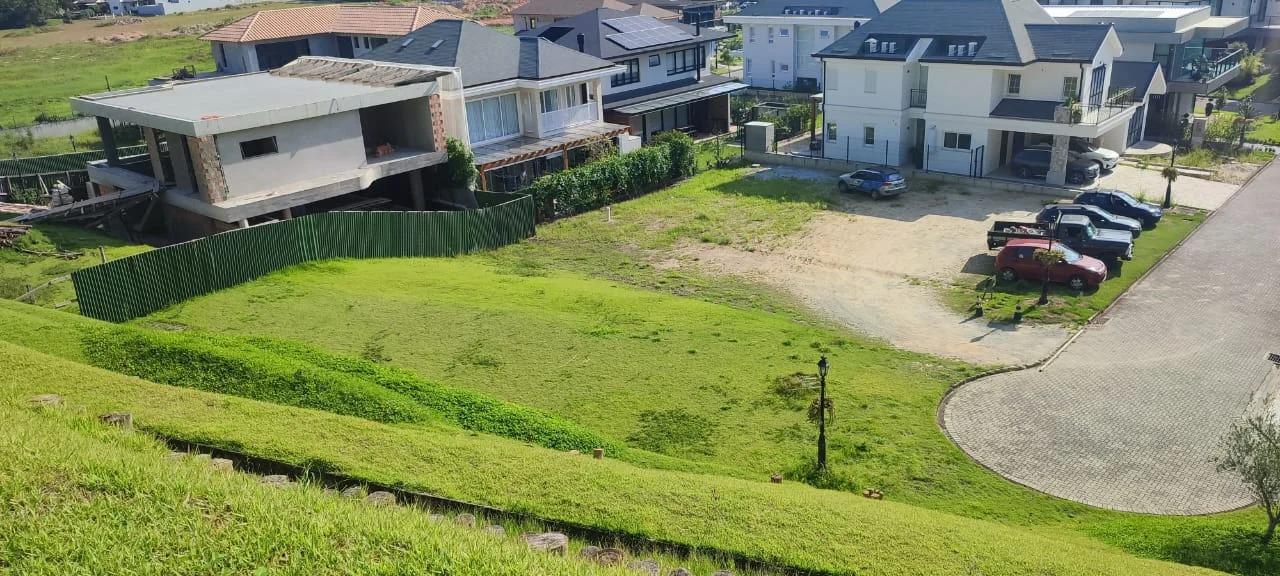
1179	38
962	85
779	38
532	106
1263	16
665	82
315	134
269	39
535	13
162	7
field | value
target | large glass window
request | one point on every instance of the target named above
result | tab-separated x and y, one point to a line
631	76
1070	88
957	140
682	61
493	118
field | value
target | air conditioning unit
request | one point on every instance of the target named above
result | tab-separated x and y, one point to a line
872	45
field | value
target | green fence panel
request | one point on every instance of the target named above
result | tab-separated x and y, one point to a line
72	162
144	283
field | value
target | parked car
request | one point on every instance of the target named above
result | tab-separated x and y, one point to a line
1104	158
1122	204
1073	153
1018	260
1100	218
1077	232
878	182
1034	163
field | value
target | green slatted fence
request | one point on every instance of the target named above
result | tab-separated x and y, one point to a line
72	162
144	283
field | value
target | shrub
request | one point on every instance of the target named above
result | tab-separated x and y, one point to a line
680	147
460	169
593	185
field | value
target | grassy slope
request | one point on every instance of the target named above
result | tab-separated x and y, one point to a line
1073	307
794	524
84	498
40	80
20	271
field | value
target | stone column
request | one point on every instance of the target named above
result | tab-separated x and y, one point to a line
207	165
108	141
437	123
1057	175
153	151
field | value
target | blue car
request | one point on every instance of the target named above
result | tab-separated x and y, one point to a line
878	182
1122	204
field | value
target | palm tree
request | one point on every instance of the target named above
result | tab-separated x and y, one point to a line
1048	259
1170	174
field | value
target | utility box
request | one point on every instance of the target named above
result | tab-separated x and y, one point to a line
628	143
759	136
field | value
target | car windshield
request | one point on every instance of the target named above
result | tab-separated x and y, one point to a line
1127	199
1067	254
1090	230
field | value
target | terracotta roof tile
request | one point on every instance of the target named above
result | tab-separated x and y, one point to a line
369	20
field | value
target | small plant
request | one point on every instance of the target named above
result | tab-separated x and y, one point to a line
1252	451
1048	259
460	167
1169	173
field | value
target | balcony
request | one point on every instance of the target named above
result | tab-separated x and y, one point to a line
1116	104
558	120
919	98
1202	70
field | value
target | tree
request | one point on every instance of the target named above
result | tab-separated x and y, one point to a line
1169	173
23	13
1244	117
1048	259
1252	451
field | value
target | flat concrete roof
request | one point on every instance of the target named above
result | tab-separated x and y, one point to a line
240	102
1107	13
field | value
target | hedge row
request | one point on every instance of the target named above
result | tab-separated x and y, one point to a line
612	179
297	375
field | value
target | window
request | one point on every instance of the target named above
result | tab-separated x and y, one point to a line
751	33
683	61
631	76
869	84
365	40
376	42
824	33
655	60
748	66
784	32
1015	84
1070	88
533	23
831	131
868	135
956	140
550	100
771	34
786	67
260	147
492	118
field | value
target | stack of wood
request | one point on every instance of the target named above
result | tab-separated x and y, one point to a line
10	233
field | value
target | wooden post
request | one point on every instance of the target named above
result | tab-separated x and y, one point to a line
564	155
484	182
102	254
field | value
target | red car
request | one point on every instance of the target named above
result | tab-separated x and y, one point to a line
1017	260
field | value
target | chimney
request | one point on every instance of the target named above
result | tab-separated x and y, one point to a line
582	42
697	28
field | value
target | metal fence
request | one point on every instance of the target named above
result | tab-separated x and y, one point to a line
144	283
58	163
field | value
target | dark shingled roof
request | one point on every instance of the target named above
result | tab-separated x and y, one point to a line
591	25
1137	75
843	8
1025	109
1003	31
484	55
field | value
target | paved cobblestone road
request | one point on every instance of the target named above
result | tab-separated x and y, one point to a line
1129	416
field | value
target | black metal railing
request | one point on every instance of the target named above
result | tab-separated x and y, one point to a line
919	98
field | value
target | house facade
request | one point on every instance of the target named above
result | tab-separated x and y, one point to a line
1263	16
532	107
269	39
780	37
961	86
535	13
705	13
1184	40
664	81
315	134
162	7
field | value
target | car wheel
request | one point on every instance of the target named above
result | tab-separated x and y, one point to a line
844	186
1008	275
875	194
1023	172
1136	233
1075	179
1101	168
1076	282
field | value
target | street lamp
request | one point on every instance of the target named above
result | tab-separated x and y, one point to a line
822	412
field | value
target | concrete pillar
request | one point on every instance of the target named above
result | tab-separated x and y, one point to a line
1198	127
1058	161
244	223
437	123
153	151
286	214
415	191
108	141
207	166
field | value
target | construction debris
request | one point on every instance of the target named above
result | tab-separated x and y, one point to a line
9	234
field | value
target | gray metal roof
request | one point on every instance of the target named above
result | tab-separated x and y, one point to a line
684	93
1025	109
1067	42
1137	75
805	8
592	25
1003	32
484	55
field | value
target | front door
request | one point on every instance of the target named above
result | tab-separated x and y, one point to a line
1096	85
1135	125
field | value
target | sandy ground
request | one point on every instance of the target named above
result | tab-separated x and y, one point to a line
872	266
1187	191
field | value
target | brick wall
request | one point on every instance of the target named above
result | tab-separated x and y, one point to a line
437	122
208	168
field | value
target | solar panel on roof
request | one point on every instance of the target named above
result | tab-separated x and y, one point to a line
632	35
633	23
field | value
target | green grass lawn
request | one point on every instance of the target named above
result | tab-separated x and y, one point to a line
1261	89
23	147
1265	129
38	81
1066	305
111	501
21	271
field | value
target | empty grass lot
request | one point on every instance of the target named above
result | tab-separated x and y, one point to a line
22	271
586	322
115	503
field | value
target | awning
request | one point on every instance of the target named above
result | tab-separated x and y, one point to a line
694	93
522	148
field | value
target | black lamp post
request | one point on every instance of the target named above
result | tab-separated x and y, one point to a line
822	412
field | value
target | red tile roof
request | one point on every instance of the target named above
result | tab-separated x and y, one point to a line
367	20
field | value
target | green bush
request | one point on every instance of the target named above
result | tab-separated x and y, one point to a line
460	168
593	185
680	147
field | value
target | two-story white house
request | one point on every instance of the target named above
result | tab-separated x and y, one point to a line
961	86
270	39
535	13
664	81
315	134
779	38
531	105
1181	39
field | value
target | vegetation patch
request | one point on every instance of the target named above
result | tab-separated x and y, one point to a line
34	261
674	432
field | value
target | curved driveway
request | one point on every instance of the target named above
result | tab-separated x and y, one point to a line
1130	414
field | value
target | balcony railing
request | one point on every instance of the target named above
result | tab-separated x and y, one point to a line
1204	64
566	117
919	98
1118	102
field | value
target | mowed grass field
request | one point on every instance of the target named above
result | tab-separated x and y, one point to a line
108	500
587	323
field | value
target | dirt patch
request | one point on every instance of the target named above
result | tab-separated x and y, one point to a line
874	265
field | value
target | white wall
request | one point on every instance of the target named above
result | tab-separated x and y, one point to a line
768	58
890	140
180	6
307	149
960	89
